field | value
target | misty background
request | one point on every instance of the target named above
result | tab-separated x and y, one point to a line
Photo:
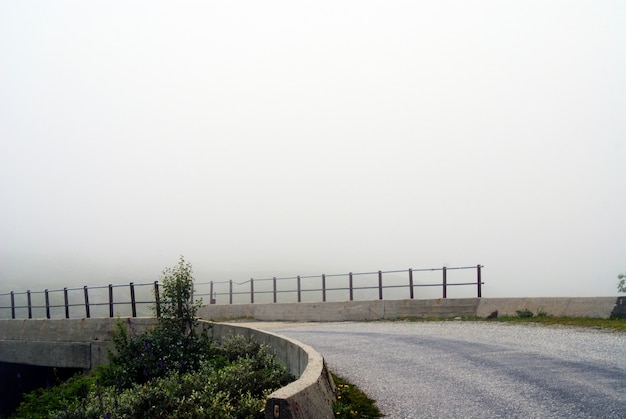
265	139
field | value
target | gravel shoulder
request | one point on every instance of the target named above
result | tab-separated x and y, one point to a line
470	369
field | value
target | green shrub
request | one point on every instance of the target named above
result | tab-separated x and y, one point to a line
238	390
170	371
38	403
524	314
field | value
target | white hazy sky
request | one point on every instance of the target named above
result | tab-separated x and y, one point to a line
279	138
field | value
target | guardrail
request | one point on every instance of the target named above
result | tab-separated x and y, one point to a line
104	302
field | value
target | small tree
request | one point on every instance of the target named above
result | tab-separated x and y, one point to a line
174	344
621	285
178	310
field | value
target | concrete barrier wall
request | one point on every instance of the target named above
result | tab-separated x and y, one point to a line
311	395
600	307
62	343
343	311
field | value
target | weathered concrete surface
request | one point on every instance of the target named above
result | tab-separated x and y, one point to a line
67	343
600	307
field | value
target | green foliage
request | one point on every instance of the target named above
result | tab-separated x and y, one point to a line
524	314
621	284
222	389
38	403
353	403
172	370
174	344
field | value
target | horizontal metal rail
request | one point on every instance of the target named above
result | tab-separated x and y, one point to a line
114	300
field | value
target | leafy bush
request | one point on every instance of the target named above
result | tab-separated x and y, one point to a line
238	390
172	370
38	403
524	314
174	344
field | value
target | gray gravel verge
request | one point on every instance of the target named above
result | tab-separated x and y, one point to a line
457	369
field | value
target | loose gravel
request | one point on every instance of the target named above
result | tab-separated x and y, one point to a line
461	369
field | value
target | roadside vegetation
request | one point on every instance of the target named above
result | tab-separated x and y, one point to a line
526	316
172	370
352	403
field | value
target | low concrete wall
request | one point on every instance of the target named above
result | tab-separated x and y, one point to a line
343	311
82	343
600	307
61	343
311	395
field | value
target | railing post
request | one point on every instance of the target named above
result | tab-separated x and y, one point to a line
87	313
350	286
230	291
211	299
67	305
47	304
479	284
12	305
324	287
110	300
299	290
411	283
30	309
157	299
274	286
445	283
133	305
251	290
45	292
380	285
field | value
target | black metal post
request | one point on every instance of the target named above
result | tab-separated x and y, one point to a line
157	299
12	305
87	313
230	292
30	308
211	299
445	283
67	305
299	290
47	304
380	285
251	290
133	304
478	275
411	283
324	287
274	286
350	286
110	300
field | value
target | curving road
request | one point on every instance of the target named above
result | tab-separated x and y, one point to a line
464	369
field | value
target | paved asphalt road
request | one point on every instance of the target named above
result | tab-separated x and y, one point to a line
460	369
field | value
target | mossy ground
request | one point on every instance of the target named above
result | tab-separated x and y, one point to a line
352	402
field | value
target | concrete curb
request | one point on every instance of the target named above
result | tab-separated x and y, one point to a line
311	395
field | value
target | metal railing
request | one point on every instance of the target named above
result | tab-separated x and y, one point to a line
50	300
370	285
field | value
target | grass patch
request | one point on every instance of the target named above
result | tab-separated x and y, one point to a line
541	317
612	324
352	402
